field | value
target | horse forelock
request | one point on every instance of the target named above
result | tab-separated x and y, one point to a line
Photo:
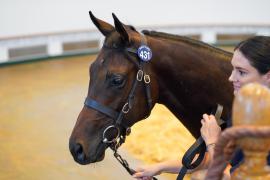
114	44
115	58
115	38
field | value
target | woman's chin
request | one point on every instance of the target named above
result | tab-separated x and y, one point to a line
235	91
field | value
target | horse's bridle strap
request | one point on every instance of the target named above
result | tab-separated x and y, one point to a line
101	108
119	116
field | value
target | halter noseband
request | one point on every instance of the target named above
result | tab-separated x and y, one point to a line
141	76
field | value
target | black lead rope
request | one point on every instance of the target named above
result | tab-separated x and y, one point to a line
125	164
198	147
120	159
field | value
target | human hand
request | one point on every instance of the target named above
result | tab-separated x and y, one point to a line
147	172
227	173
210	130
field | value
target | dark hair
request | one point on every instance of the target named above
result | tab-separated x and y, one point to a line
257	50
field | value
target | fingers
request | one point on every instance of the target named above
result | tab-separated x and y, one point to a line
202	121
139	169
208	118
144	173
141	176
138	175
212	117
210	130
205	118
139	172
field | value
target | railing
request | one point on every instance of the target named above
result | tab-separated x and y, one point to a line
86	42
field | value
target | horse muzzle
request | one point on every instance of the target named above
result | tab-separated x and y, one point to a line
81	156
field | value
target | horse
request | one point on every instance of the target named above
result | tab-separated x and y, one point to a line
188	76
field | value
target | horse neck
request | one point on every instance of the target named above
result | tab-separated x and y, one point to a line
182	72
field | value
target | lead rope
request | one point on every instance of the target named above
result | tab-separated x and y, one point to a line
125	164
114	146
197	148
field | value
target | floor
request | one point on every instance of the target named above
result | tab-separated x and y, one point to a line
39	105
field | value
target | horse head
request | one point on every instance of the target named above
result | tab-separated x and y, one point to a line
119	93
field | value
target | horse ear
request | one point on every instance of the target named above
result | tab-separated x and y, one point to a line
121	28
104	27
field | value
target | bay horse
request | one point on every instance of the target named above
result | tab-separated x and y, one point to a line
189	77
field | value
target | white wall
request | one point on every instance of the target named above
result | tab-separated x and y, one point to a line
27	17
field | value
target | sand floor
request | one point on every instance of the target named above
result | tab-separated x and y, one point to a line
39	105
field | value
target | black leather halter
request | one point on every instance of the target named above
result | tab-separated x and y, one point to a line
118	117
121	129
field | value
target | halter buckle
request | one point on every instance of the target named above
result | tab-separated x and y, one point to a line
139	75
125	108
146	78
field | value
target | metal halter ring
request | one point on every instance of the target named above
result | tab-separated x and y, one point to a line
146	78
140	75
125	108
105	140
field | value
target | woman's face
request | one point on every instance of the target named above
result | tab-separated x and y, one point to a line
244	73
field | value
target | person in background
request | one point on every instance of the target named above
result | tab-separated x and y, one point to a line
251	63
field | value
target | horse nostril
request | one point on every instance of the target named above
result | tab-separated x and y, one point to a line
78	149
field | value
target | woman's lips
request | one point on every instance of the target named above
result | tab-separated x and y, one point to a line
236	87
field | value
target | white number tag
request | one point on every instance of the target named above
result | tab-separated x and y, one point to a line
144	53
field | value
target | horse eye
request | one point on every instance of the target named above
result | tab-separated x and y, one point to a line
117	80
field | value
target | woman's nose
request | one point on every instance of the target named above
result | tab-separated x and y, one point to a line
232	76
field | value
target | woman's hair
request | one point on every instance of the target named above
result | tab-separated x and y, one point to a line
257	50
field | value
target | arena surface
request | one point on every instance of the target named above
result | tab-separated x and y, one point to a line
39	106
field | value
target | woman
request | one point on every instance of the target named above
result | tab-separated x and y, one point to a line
251	63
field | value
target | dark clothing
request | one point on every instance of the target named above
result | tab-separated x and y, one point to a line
238	156
237	159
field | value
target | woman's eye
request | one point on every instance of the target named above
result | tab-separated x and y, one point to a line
242	73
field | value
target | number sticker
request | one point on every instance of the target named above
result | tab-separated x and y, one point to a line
144	53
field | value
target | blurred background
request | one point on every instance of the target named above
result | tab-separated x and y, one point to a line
46	48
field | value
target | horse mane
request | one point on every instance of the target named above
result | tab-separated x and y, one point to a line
186	40
132	28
